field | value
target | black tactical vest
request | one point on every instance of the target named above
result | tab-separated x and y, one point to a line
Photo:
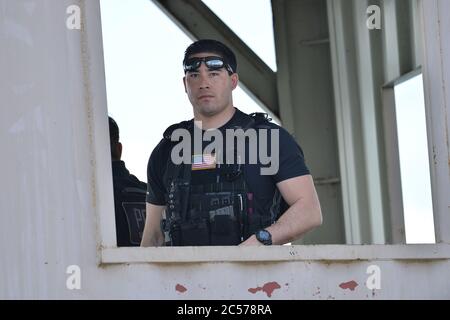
130	216
220	213
129	202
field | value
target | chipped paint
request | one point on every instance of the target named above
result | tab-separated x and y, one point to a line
349	285
254	290
180	288
317	292
268	288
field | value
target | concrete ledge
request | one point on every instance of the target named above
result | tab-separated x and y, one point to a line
275	253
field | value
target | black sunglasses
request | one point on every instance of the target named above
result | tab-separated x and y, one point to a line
212	63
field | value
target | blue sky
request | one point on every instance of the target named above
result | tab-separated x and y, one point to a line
414	163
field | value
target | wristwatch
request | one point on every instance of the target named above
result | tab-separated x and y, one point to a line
264	237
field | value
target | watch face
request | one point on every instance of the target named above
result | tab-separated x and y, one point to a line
264	237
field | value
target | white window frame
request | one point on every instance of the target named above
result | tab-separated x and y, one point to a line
437	100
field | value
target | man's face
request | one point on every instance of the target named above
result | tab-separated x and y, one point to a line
209	91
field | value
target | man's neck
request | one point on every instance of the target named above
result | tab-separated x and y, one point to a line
217	120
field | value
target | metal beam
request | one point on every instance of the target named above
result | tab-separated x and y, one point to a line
399	50
283	69
369	65
199	22
348	114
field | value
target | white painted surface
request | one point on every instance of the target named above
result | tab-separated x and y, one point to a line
56	193
436	81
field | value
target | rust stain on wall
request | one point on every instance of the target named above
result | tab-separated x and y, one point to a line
268	288
254	290
349	285
180	288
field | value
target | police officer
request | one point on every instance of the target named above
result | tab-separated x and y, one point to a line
129	195
211	200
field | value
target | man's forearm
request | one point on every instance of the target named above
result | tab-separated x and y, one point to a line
152	235
300	218
295	222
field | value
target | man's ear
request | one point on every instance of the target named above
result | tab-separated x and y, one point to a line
234	80
184	83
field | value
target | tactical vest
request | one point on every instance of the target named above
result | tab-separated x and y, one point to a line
129	202
221	213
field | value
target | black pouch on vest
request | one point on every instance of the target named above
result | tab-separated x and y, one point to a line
195	233
225	231
225	227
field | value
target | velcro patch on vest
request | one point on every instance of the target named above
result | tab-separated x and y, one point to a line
203	161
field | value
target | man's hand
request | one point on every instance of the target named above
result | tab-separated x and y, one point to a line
251	241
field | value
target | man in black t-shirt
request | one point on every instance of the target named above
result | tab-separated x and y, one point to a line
214	190
129	195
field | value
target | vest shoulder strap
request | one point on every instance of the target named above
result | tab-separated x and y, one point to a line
181	125
258	120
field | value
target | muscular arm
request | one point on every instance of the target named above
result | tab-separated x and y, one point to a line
153	236
304	211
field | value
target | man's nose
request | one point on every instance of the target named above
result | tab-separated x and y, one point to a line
204	77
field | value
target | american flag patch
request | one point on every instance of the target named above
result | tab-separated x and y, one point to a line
203	161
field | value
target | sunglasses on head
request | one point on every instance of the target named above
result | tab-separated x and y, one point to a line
212	63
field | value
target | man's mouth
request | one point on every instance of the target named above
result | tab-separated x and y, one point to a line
206	96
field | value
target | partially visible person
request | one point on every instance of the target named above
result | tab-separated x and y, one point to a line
129	195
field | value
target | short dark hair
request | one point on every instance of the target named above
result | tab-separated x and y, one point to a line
113	137
210	45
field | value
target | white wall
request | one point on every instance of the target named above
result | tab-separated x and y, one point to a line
56	182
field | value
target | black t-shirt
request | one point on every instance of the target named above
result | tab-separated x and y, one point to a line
291	164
